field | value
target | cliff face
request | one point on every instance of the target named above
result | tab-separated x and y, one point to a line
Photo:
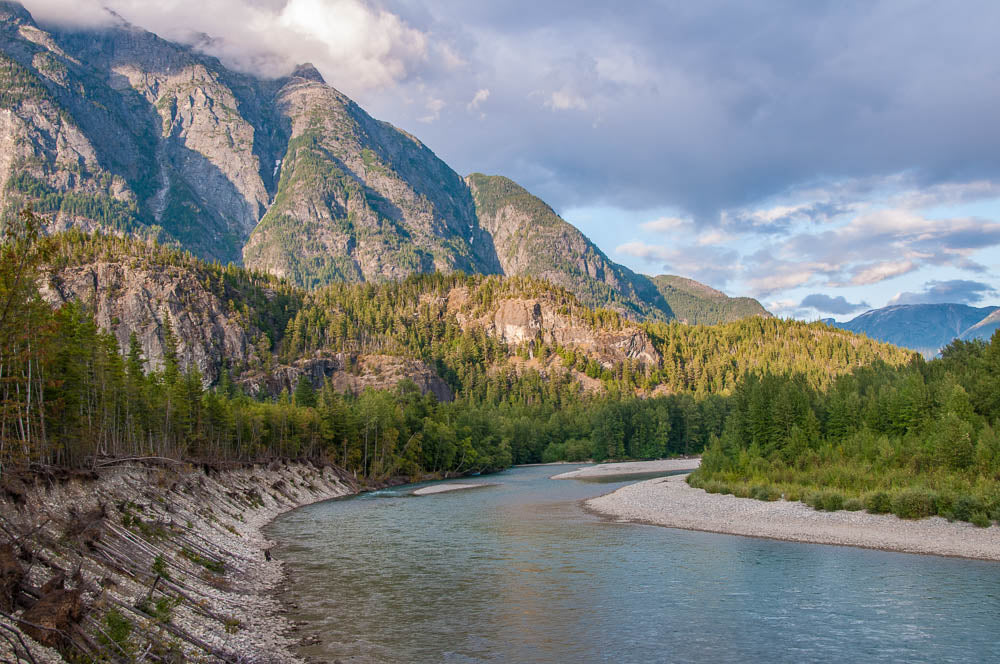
516	321
127	299
104	546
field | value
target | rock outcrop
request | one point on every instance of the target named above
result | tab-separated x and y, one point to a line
350	374
517	321
127	300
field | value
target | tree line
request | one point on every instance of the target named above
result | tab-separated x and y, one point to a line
917	440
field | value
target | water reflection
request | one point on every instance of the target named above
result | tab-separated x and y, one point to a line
518	572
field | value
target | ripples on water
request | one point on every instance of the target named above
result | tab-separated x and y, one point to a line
520	573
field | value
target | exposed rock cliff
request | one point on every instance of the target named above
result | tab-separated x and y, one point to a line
128	300
169	561
518	321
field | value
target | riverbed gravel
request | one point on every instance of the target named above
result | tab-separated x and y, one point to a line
625	468
671	502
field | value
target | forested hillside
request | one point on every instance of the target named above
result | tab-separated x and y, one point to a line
916	440
697	304
534	373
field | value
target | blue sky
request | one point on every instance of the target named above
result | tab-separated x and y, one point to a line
824	157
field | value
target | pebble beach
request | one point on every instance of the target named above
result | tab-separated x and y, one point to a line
672	503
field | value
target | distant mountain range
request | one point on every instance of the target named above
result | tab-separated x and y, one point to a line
125	132
926	328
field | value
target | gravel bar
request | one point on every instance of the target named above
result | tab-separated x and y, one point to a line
625	468
671	502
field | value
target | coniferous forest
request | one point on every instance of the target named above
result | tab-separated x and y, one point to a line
72	395
915	441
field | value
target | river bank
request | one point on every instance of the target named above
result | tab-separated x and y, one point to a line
672	503
174	554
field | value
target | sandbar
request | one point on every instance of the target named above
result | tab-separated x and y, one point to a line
443	488
626	468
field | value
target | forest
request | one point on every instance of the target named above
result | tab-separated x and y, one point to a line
916	441
72	396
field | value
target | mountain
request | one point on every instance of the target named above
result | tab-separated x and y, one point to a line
984	329
119	130
926	328
697	304
532	240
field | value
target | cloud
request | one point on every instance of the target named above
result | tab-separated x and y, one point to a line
666	224
958	291
434	106
713	265
832	305
883	244
566	100
874	273
478	99
356	46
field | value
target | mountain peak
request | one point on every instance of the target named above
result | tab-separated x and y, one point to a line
308	72
14	11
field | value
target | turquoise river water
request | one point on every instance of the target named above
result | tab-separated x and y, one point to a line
519	572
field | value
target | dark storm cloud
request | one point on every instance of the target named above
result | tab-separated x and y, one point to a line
832	305
958	291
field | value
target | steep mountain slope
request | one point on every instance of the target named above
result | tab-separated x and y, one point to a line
360	200
532	240
697	304
122	130
923	327
984	329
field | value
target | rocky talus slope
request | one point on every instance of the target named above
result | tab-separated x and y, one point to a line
167	562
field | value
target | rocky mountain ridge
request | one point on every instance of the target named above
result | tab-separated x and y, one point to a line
119	130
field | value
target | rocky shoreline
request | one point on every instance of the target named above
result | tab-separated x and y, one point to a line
672	503
175	552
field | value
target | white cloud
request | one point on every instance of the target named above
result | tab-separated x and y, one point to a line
665	224
435	106
872	274
565	99
478	99
355	45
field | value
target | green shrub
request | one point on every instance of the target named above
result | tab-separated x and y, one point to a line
878	503
914	504
854	505
832	501
965	506
761	492
981	520
116	632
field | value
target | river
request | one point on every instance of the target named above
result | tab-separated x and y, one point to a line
519	572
